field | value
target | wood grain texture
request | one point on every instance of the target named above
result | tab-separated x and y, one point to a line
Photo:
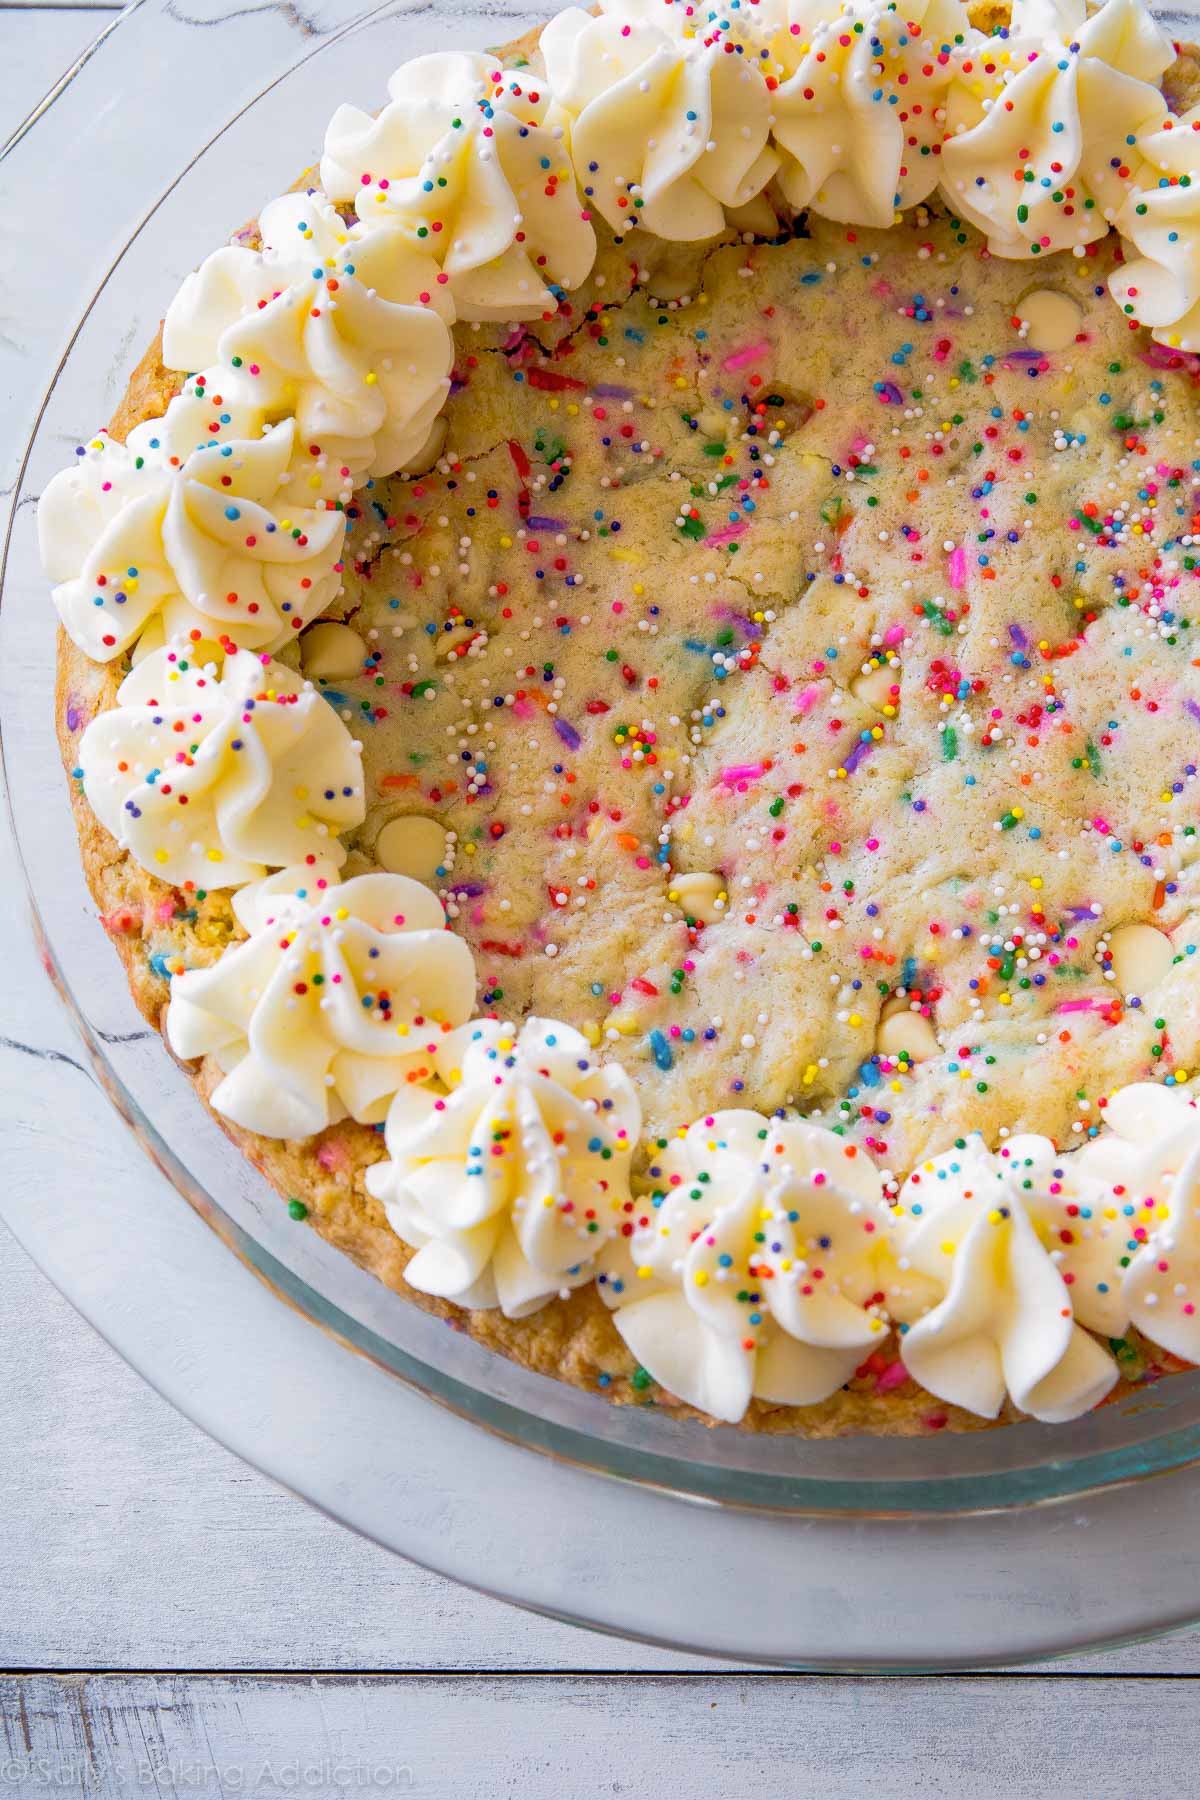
557	1738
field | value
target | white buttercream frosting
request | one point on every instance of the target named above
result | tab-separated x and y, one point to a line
668	131
1148	1163
462	158
340	995
1045	125
212	773
510	1172
758	1265
1159	282
345	330
152	539
1021	1247
860	106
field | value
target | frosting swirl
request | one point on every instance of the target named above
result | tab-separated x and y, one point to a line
1159	286
464	160
859	109
512	1173
1003	1237
212	776
344	330
1042	129
339	996
152	539
756	1267
1148	1163
668	131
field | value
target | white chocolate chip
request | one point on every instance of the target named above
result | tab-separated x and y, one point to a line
1053	319
875	688
413	846
699	895
1141	957
907	1031
331	652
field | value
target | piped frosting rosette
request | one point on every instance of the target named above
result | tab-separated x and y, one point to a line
510	1171
1159	282
758	1265
152	539
345	330
464	161
1147	1164
859	105
340	995
211	773
668	125
1044	128
1025	1255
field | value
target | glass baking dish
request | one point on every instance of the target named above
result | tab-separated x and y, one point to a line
156	154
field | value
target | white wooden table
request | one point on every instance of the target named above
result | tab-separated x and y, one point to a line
290	1654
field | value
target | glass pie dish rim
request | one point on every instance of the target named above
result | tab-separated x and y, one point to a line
974	1472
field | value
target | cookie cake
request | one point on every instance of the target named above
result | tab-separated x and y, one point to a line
630	675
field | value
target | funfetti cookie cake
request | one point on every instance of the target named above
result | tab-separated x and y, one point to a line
630	669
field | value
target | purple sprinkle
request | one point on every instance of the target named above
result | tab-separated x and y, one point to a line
608	390
890	394
469	890
74	718
862	747
545	524
1018	637
1025	356
568	734
1079	913
1192	707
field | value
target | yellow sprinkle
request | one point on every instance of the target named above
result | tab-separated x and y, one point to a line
644	1274
701	1278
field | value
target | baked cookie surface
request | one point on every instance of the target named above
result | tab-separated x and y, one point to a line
785	673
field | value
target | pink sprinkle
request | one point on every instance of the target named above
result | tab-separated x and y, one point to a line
732	773
958	567
750	354
726	533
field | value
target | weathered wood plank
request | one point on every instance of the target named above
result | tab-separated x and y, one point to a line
554	1738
